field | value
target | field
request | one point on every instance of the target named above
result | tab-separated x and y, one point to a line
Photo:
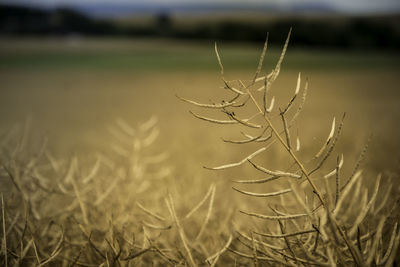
71	93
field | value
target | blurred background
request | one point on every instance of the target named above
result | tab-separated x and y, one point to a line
329	24
90	126
72	67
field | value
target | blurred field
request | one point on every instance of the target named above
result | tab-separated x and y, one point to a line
71	91
72	88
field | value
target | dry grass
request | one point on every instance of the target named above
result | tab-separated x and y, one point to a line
293	201
347	238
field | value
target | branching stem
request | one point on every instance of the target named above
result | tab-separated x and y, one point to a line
303	170
306	174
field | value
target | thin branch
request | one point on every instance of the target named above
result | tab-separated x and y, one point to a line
286	130
390	246
249	157
272	194
219	59
216	255
156	227
287	234
301	104
274	173
213	106
190	213
249	140
260	62
272	217
333	144
213	120
170	205
330	136
359	160
158	217
338	179
367	208
209	211
257	181
236	91
294	96
339	165
137	254
4	239
248	238
244	122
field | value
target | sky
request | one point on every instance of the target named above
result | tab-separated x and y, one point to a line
341	5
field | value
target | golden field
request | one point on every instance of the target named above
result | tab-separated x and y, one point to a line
72	95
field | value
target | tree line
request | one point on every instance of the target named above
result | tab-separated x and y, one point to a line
324	31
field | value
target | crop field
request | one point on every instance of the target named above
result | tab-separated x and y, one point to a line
103	164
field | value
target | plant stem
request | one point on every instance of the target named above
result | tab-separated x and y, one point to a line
303	170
